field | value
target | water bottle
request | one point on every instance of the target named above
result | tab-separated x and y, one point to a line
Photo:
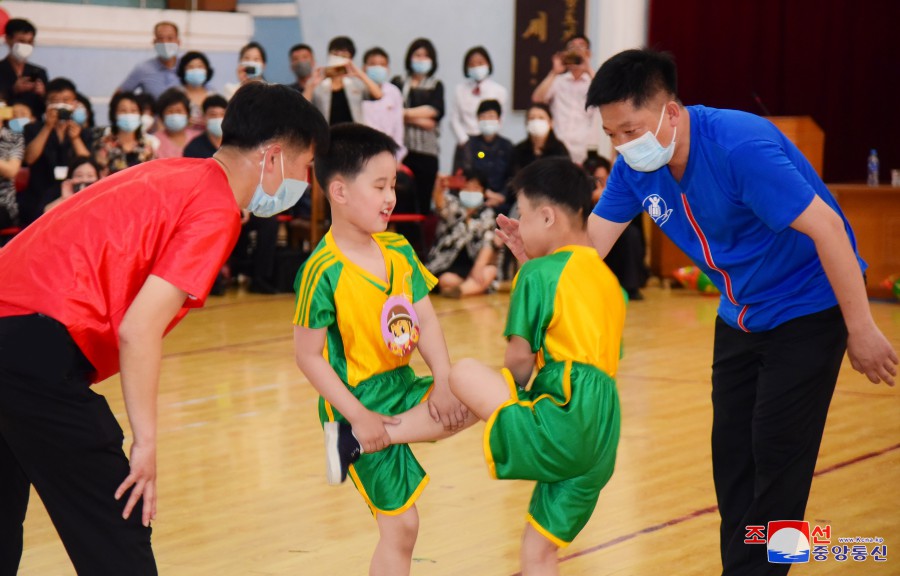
873	168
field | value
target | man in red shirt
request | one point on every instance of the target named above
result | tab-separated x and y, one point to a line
90	289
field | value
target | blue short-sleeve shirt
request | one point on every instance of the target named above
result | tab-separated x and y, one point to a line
745	183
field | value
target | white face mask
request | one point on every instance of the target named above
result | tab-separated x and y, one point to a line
646	154
147	121
166	50
471	198
478	73
538	127
288	193
489	127
22	51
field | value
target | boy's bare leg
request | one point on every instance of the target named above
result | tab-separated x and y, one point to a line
538	555
397	538
481	388
482	274
417	425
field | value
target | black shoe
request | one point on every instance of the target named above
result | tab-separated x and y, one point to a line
341	450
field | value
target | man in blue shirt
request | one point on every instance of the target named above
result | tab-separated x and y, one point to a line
741	200
158	74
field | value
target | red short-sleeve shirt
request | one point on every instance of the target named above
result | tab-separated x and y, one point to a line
84	262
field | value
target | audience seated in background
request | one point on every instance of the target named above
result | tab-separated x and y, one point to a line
463	254
50	146
490	154
565	90
385	114
195	73
158	74
339	90
423	109
125	143
251	66
17	75
83	171
477	87
206	144
626	257
541	142
12	151
303	63
174	133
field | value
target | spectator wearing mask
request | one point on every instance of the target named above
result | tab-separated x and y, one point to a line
338	91
423	100
84	113
174	107
125	144
83	171
478	86
50	146
490	154
26	108
206	144
463	254
251	66
541	142
565	90
12	151
158	74
303	63
385	114
195	72
17	75
147	105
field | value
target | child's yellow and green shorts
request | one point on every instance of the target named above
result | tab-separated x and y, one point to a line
563	432
390	480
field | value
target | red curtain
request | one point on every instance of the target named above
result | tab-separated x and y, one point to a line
835	60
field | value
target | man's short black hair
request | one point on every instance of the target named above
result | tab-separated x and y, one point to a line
250	46
342	44
477	50
171	97
488	105
214	101
301	46
557	181
376	51
59	84
429	47
634	76
352	146
19	25
580	37
187	58
259	112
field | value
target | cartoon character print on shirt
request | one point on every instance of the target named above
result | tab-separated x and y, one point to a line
400	325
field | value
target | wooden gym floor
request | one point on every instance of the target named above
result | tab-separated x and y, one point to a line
242	486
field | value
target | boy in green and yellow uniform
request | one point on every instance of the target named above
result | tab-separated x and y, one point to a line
566	316
362	309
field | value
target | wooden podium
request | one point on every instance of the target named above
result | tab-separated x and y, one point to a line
803	131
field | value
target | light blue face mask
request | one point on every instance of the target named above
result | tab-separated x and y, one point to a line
646	154
175	122
471	198
17	125
166	50
378	74
288	193
128	122
478	73
421	66
79	116
195	77
214	126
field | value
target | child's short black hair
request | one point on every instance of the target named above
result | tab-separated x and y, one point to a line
214	101
475	174
488	105
376	51
634	76
557	181
352	146
342	44
259	112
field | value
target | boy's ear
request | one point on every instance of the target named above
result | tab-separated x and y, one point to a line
548	214
337	191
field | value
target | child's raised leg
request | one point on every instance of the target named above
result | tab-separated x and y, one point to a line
479	387
397	538
417	425
538	554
